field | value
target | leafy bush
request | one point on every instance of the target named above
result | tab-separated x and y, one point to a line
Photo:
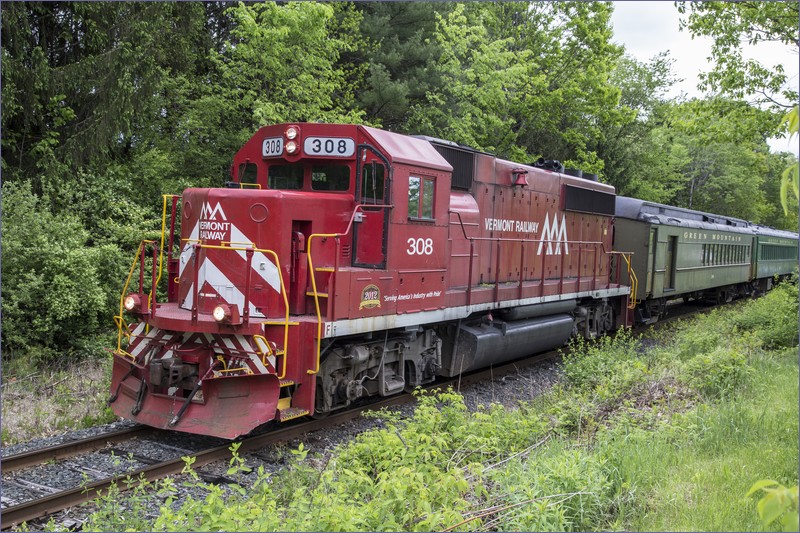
702	336
589	364
56	289
778	504
718	374
773	317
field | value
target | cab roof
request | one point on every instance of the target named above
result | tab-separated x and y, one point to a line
408	150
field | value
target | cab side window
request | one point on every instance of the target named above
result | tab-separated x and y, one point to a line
420	197
286	177
330	178
372	184
248	172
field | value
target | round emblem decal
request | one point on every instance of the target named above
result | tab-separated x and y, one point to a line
370	297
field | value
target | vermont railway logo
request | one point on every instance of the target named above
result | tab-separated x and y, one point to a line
554	235
213	223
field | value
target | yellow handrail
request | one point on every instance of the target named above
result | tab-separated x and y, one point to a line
125	292
161	246
316	294
246	369
261	352
283	289
356	209
634	281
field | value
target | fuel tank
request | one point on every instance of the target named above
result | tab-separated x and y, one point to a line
484	345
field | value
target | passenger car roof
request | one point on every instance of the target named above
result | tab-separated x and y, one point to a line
654	213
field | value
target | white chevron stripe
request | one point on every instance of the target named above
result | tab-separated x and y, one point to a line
139	328
186	253
189	301
216	278
261	264
251	353
143	342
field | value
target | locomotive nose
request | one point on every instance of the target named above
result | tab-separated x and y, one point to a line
229	261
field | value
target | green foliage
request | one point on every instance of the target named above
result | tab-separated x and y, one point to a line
399	56
589	365
634	162
57	286
731	23
772	319
718	150
791	175
128	512
782	208
481	77
523	80
697	340
561	490
76	75
299	79
719	373
778	504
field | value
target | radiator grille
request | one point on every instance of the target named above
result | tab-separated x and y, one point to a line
588	201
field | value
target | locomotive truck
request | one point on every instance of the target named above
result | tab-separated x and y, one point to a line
344	261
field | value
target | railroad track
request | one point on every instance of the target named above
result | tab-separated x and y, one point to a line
15	515
18	461
37	508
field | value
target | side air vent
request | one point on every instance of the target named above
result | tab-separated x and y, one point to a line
463	163
588	201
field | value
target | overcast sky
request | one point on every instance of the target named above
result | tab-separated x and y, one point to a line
646	28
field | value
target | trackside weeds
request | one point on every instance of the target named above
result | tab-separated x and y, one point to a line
667	437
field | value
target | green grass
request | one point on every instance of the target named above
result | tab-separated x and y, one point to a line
693	474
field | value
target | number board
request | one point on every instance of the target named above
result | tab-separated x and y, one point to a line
272	147
329	146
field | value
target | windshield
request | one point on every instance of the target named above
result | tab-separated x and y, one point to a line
331	177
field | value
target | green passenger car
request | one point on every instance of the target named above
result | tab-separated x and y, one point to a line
775	255
681	253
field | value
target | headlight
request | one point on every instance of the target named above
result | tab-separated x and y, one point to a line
291	147
222	313
291	132
133	302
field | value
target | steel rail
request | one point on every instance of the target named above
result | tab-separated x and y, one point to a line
18	461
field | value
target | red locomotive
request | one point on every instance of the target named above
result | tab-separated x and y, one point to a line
345	261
